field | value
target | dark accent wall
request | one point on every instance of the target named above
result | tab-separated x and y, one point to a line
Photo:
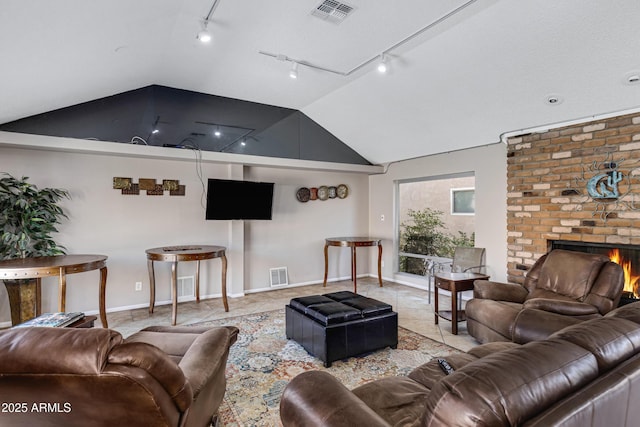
190	119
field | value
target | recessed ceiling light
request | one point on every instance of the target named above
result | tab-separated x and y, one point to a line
553	99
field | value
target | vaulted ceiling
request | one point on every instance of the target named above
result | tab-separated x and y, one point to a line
460	73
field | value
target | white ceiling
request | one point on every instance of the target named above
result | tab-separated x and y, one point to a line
463	82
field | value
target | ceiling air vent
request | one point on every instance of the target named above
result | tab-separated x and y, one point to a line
332	11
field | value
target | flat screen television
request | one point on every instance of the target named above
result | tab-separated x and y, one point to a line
231	199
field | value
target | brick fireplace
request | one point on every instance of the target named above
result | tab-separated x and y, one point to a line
554	193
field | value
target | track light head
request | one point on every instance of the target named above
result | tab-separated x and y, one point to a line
382	65
204	36
293	73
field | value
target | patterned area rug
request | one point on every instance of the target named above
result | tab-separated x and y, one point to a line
262	362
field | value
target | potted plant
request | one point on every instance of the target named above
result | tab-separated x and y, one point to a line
28	217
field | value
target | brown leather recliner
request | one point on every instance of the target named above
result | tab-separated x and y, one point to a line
160	376
562	288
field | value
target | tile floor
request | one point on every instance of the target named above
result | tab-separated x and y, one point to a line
411	304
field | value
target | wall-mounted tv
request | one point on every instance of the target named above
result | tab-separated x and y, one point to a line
230	199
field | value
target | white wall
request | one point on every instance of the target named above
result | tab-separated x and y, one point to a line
103	221
489	164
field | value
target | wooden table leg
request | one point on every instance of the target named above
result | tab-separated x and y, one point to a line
454	309
103	290
326	265
197	280
174	293
62	291
380	264
224	282
152	286
354	269
38	296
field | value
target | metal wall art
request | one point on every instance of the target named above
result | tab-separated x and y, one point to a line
304	194
609	185
128	187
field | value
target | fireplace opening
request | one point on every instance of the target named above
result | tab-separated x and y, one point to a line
627	256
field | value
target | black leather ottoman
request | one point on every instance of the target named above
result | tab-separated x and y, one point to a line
341	324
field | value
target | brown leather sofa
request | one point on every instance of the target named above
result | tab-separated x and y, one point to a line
160	376
584	375
562	288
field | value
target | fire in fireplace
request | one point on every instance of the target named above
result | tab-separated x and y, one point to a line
631	281
627	256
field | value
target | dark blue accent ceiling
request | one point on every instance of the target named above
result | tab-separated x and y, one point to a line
186	119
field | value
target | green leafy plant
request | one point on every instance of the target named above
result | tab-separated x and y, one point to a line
28	217
425	233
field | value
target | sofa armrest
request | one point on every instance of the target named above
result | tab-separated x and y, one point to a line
207	355
486	289
317	398
535	325
158	365
566	308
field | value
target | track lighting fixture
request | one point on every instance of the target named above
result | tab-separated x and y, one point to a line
293	73
383	59
382	65
204	35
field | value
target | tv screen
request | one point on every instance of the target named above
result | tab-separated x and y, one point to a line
229	199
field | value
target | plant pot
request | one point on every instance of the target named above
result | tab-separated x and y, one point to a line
24	299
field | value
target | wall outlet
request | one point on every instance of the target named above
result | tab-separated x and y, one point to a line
138	286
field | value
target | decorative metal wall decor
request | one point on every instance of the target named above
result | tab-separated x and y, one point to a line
128	187
607	184
324	192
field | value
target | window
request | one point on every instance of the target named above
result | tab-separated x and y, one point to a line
435	215
463	201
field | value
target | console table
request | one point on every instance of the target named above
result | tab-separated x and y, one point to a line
174	254
454	282
61	265
353	243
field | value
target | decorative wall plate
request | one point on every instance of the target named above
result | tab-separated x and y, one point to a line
303	194
323	192
342	191
314	193
332	192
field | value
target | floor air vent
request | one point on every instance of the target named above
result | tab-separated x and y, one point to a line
185	287
279	276
332	11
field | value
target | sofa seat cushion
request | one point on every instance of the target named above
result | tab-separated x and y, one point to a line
499	316
398	400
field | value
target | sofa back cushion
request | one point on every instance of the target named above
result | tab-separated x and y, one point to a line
609	339
39	350
511	386
567	273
